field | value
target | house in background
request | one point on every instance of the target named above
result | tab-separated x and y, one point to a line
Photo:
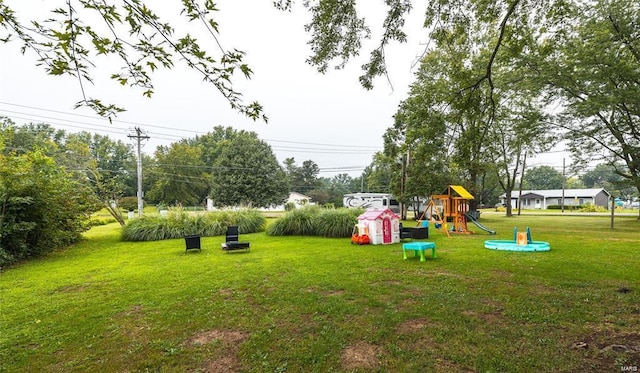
295	197
542	199
298	199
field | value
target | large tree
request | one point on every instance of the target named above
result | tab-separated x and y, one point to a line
542	177
594	67
247	173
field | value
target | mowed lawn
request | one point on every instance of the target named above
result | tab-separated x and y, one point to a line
311	304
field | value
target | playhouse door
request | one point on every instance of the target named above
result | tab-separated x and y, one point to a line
386	230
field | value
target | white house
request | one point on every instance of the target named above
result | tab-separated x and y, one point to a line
297	198
542	199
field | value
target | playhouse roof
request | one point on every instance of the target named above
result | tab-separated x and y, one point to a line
461	191
374	214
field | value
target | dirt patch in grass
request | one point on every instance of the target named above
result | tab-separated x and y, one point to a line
333	293
609	350
361	355
227	337
413	325
487	317
444	365
226	293
224	364
136	309
228	361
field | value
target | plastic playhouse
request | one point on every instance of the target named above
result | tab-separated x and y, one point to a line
521	242
383	226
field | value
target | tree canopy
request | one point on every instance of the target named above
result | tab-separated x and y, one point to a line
247	173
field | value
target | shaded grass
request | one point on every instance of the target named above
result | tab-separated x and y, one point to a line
301	302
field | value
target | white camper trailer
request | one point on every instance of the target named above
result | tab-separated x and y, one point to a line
371	201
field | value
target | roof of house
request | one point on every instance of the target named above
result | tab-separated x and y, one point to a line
298	196
557	193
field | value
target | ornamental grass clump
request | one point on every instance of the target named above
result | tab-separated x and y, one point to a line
315	221
247	220
299	222
179	223
336	222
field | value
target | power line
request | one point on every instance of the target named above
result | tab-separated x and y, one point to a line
372	148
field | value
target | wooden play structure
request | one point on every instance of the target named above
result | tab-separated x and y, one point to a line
448	211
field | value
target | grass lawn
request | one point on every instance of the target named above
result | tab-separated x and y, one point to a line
309	304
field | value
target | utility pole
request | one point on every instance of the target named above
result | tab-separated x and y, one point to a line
139	136
524	167
563	177
402	187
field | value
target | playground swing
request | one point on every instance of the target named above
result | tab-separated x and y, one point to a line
451	207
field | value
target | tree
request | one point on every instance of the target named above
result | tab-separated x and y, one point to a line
104	165
247	173
303	178
595	71
605	176
70	40
542	177
210	142
108	165
180	176
133	33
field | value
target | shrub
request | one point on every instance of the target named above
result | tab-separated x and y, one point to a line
566	207
43	207
289	206
128	203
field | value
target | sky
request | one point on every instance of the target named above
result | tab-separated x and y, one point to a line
329	119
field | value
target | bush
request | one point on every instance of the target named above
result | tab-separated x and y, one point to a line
128	203
289	206
179	223
44	208
566	207
315	221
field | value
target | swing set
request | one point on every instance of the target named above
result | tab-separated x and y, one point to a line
449	210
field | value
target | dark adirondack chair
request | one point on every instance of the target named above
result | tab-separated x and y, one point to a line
233	242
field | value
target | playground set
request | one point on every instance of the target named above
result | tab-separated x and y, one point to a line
521	242
449	211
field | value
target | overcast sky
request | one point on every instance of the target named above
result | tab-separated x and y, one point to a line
329	118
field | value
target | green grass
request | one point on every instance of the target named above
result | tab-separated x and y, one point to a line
301	304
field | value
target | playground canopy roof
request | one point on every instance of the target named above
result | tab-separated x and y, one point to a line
460	190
